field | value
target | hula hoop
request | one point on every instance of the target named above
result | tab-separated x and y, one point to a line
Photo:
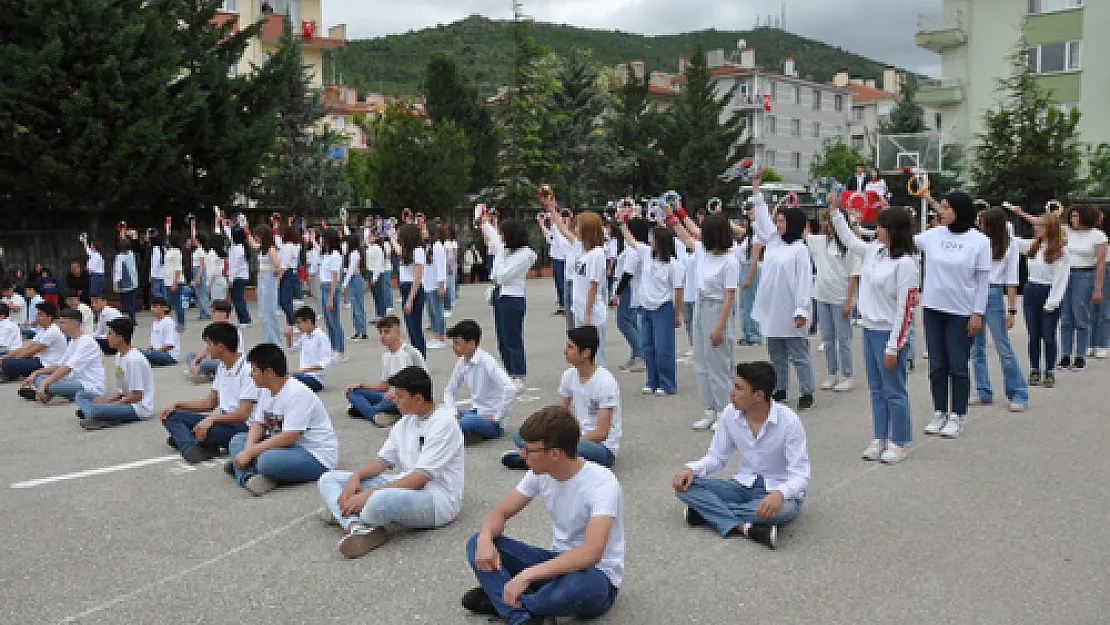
545	192
1053	207
420	218
479	212
714	205
921	181
671	198
822	187
624	212
406	215
791	200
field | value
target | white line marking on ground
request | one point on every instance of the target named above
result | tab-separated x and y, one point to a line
92	472
193	569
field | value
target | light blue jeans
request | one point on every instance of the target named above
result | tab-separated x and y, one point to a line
356	294
599	360
1013	379
331	317
688	321
749	329
836	335
890	401
628	323
204	304
713	366
434	303
66	387
397	507
289	465
105	412
728	504
268	307
782	352
1075	313
1100	320
207	366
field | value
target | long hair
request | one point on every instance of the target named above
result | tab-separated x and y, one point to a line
331	241
795	225
239	237
265	240
664	244
899	227
716	235
354	244
1052	239
833	238
993	222
591	230
410	238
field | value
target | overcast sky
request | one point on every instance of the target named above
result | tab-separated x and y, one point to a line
883	31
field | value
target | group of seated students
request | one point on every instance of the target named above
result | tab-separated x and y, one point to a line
277	431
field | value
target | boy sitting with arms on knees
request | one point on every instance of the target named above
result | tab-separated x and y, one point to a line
595	396
314	347
199	437
582	572
770	483
199	366
491	388
425	451
46	348
102	314
11	338
72	299
165	346
289	437
372	400
17	306
134	397
81	367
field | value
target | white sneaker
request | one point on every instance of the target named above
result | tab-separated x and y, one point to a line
936	424
821	347
953	427
845	384
874	450
1102	352
893	453
1017	406
447	314
518	383
829	383
434	344
707	422
647	390
714	426
688	353
637	365
1090	352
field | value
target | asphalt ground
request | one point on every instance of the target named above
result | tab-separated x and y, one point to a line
1003	525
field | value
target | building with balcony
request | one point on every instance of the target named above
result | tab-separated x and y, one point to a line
306	17
872	104
975	39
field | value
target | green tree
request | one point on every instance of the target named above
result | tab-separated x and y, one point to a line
576	108
697	142
633	127
450	96
836	160
770	175
1028	151
907	116
1098	179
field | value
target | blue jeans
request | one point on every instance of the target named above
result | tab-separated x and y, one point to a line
508	321
890	401
105	412
728	504
239	300
127	303
594	452
180	424
378	293
267	306
288	465
397	507
628	323
412	321
287	288
356	294
96	283
331	316
1013	379
1100	317
176	299
386	284
782	352
568	302
659	348
558	274
207	366
949	351
312	383
749	329
688	321
20	367
434	303
1041	326
450	295
66	387
157	287
204	303
1075	313
158	358
836	335
585	594
470	422
369	403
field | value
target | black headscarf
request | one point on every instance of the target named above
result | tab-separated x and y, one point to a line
795	224
964	206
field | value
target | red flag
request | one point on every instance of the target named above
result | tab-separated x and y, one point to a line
767	102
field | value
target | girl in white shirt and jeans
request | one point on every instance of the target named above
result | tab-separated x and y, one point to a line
837	275
354	287
410	274
238	272
513	260
1044	290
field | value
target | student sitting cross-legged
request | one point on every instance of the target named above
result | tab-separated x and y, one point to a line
289	437
491	388
11	338
416	481
102	314
595	396
369	399
81	367
197	436
165	346
770	484
199	366
581	574
134	397
46	348
314	346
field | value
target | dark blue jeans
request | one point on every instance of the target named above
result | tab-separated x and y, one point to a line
96	283
586	594
158	358
180	425
287	287
949	353
176	298
558	273
369	403
127	303
20	367
239	300
508	320
659	348
412	321
1041	326
287	465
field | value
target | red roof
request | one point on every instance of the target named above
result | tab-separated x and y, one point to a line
223	17
863	93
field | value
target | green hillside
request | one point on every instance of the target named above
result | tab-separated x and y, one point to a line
483	50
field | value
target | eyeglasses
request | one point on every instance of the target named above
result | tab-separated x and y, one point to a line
525	450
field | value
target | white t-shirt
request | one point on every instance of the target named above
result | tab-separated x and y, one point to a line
133	373
659	280
198	261
155	263
593	491
406	356
237	268
86	364
1005	271
432	445
173	267
19	317
88	318
107	314
833	269
163	332
589	268
213	266
600	391
96	262
331	267
289	255
406	273
1081	247
233	385
10	336
55	343
297	409
954	265
435	272
315	351
716	273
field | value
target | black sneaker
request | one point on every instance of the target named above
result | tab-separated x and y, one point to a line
558	312
764	534
229	468
169	441
805	402
1049	379
198	454
80	413
513	460
1080	363
1065	363
26	392
694	518
779	396
477	601
1035	378
351	412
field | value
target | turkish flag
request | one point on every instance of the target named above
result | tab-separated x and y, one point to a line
308	29
767	102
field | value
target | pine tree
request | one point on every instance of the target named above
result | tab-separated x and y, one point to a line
907	116
576	107
450	96
633	127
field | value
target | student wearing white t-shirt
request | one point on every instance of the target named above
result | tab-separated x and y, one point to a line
331	272
594	395
173	276
102	314
833	290
165	346
11	338
434	280
416	480
589	301
1086	252
198	259
582	573
238	272
373	400
134	396
70	299
378	268
314	349
1000	315
957	280
557	252
1044	291
770	484
513	260
94	264
80	369
491	389
410	276
354	286
17	306
749	251
627	291
197	435
46	347
289	258
661	286
451	246
214	268
199	366
289	438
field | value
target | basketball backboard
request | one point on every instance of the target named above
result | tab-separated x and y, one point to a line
918	152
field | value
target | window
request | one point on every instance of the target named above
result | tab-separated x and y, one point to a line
1048	6
857	113
1074	51
816	130
796	94
857	142
816	100
838	103
229	5
770	158
772	127
795	128
1049	58
774	91
796	160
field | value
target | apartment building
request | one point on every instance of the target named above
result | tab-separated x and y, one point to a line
872	104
